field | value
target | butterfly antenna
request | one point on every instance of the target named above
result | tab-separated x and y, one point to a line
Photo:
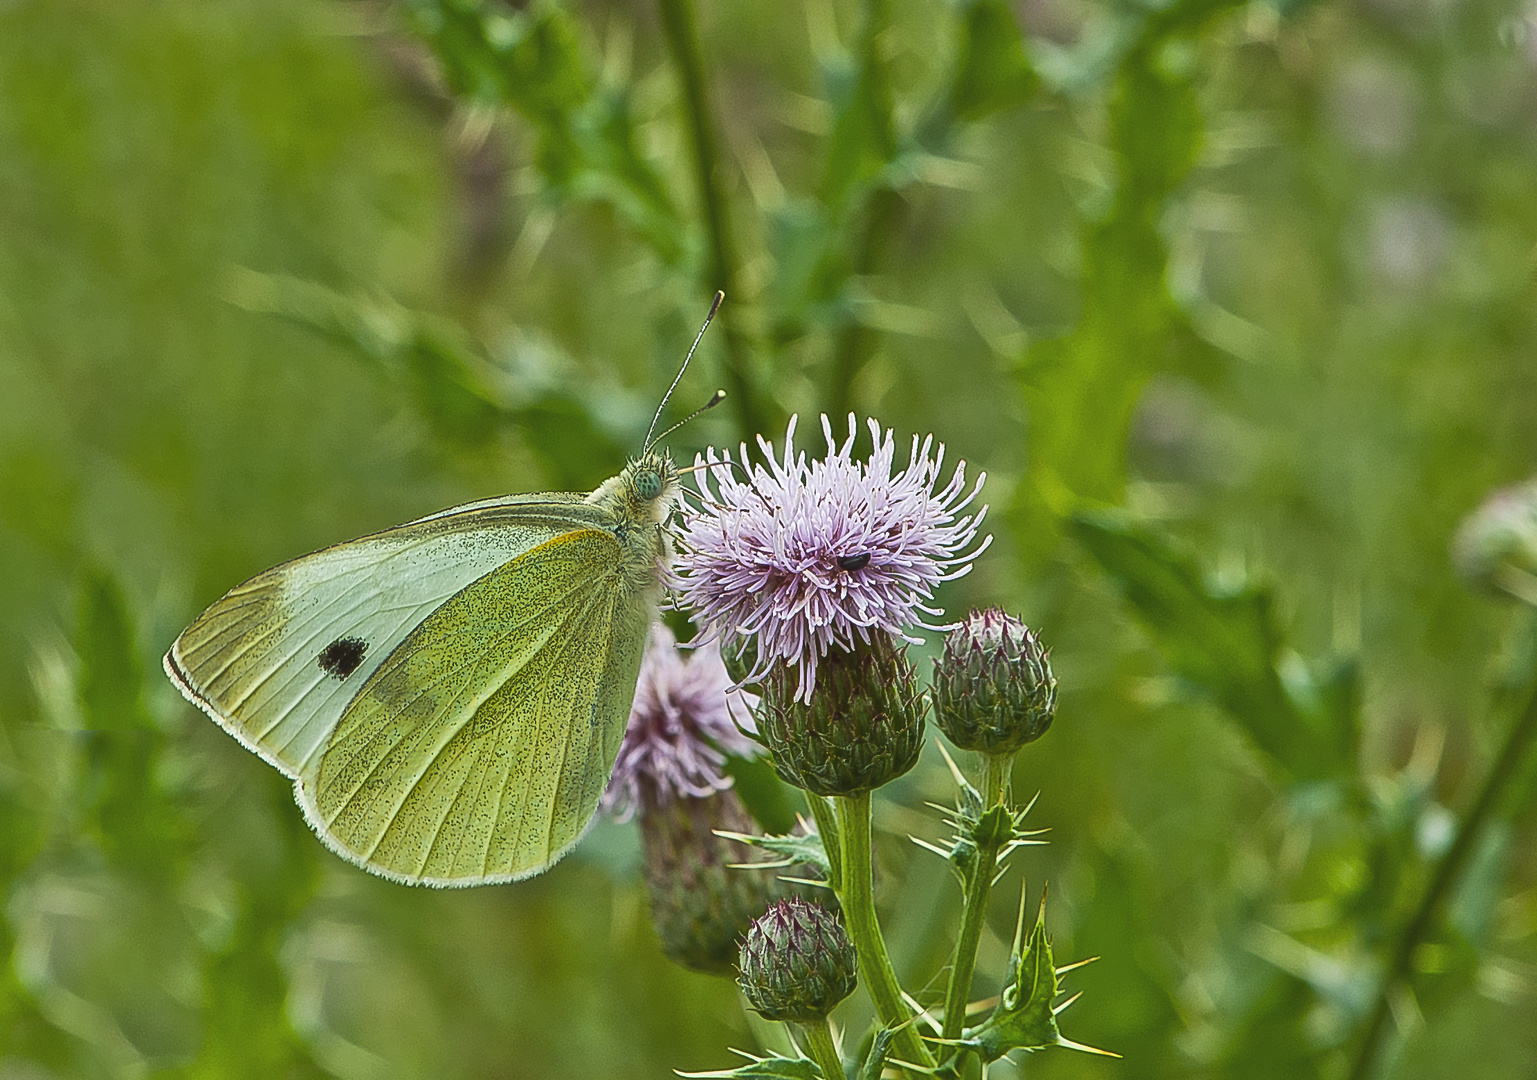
714	401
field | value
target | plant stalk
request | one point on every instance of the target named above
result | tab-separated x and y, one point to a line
880	215
832	843
680	27
997	772
973	918
1506	766
819	1039
858	898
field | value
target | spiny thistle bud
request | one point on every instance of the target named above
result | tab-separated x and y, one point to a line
861	728
700	906
993	688
797	962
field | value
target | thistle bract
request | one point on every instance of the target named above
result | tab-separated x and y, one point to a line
861	728
993	687
797	962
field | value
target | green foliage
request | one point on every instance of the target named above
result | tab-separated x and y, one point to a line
1025	1018
1253	282
119	790
774	1068
789	850
533	62
1227	642
992	72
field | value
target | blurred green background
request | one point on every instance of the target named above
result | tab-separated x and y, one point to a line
1233	302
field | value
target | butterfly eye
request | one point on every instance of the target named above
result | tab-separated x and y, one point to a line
648	485
854	562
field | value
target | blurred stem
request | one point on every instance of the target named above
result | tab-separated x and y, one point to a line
882	211
973	918
827	827
856	341
819	1038
858	897
682	33
1506	766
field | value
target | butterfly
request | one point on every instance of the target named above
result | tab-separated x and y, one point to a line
448	696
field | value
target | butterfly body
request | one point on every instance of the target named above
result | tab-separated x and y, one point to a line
448	695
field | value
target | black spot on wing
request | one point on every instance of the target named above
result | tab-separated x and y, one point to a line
342	657
854	562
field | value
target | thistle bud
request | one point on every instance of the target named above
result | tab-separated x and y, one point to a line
797	962
700	906
993	688
861	728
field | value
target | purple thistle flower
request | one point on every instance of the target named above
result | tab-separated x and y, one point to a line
684	721
811	556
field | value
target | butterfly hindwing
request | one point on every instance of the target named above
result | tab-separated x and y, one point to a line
277	660
478	750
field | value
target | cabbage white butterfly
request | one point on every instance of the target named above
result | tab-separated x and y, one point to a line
448	696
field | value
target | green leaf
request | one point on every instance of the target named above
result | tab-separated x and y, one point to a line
811	268
996	831
377	327
992	72
638	189
462	395
793	849
880	1048
1227	644
576	452
1083	387
863	139
458	405
450	379
770	1068
1023	1019
530	60
534	62
1026	1016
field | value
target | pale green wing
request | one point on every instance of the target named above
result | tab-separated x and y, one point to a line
478	751
278	659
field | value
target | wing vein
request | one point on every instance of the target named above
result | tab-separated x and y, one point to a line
458	713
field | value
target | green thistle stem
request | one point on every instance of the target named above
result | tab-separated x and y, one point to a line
997	771
858	896
973	918
819	1039
827	827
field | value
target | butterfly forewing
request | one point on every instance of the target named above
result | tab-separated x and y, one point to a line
277	659
479	749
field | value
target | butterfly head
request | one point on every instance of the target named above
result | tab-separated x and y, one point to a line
644	493
651	485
